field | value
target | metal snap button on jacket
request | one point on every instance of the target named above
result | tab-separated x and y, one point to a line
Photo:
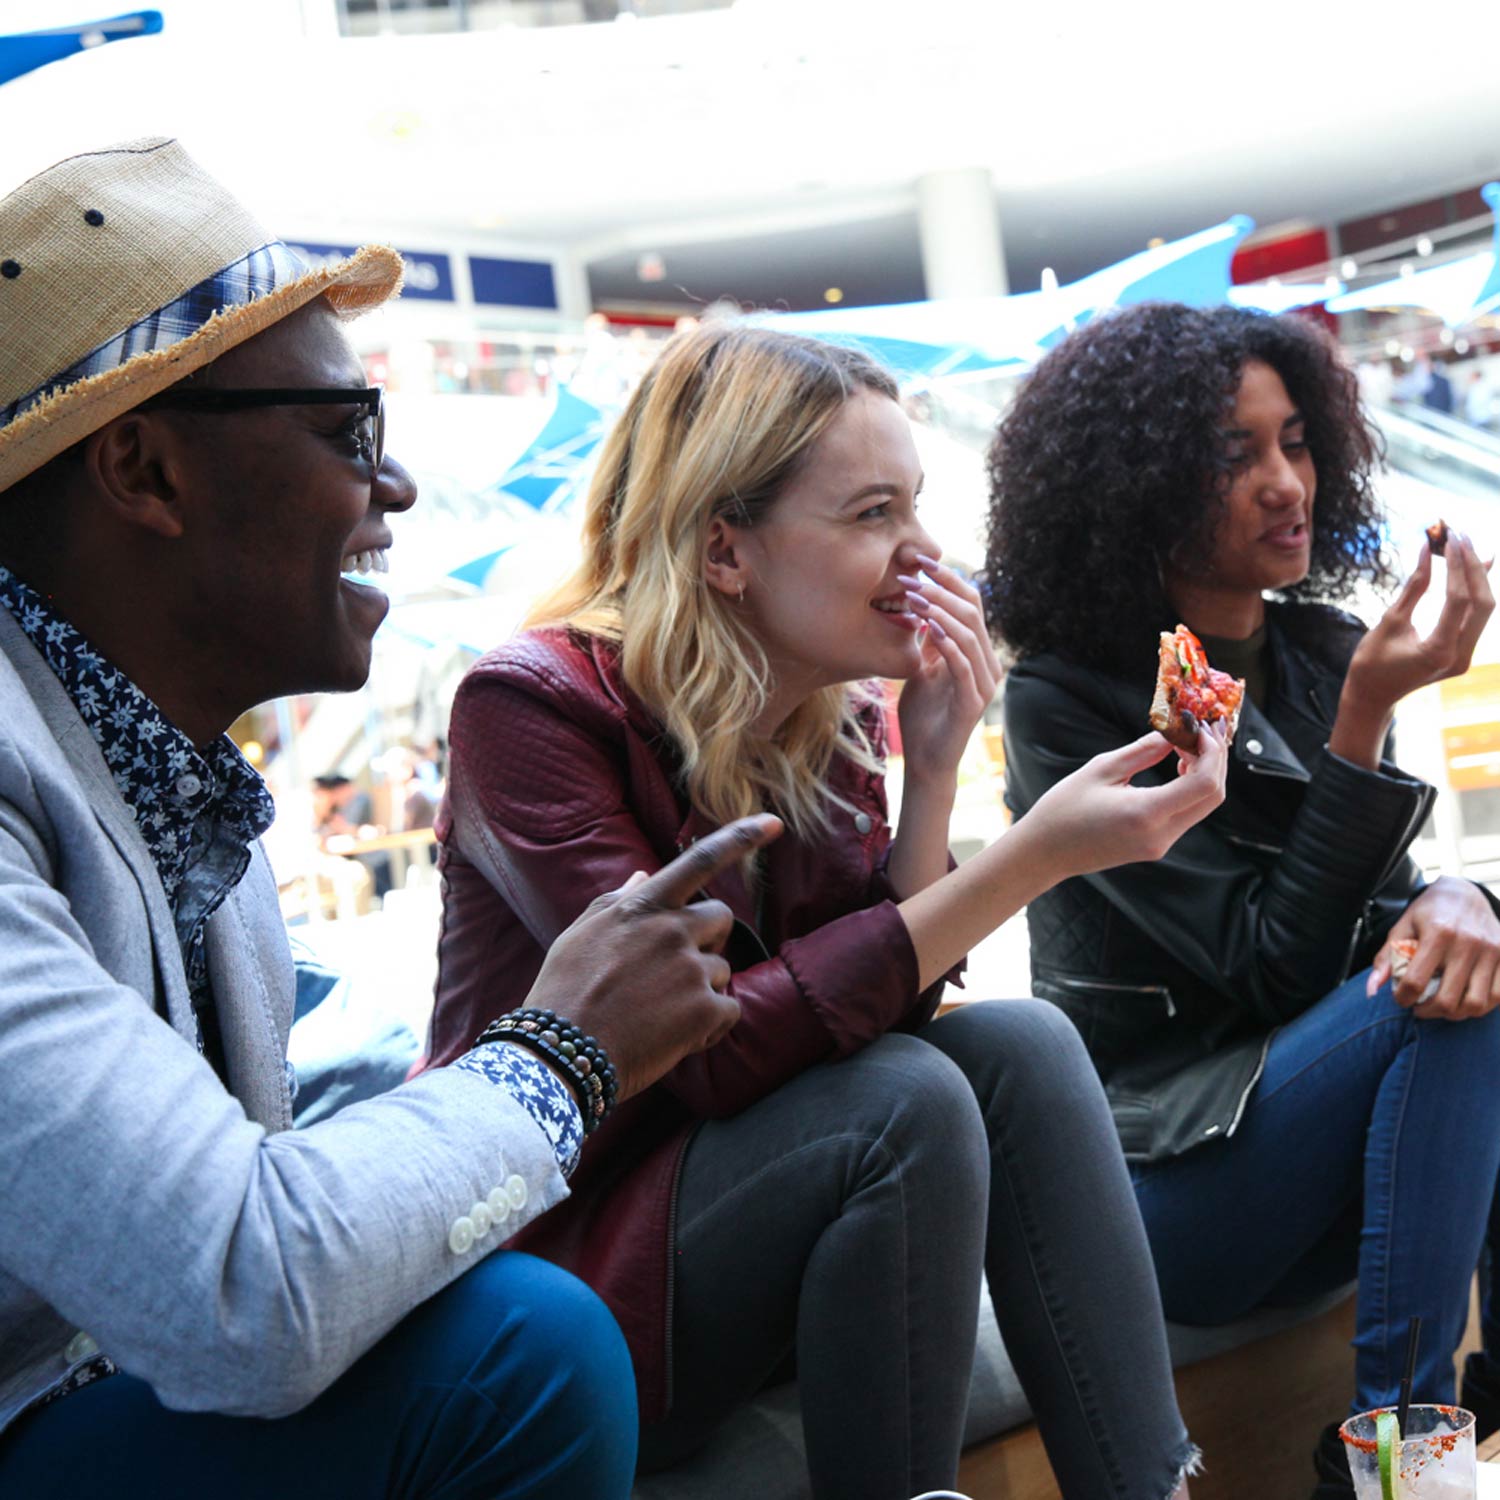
80	1346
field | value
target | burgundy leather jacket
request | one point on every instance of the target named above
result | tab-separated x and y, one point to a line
561	784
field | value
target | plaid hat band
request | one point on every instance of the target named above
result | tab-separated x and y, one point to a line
258	273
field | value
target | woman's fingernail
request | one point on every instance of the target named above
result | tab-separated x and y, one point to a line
917	602
908	583
936	630
928	562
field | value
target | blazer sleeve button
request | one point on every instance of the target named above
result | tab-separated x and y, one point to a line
461	1235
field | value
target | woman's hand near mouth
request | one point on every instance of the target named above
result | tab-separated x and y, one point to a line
940	705
942	702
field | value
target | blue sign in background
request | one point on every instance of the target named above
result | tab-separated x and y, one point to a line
429	275
512	283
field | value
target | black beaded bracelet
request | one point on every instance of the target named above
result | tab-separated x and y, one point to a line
584	1063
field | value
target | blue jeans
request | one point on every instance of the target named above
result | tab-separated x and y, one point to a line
1370	1146
513	1380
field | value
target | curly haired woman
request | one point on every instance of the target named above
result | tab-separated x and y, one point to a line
1291	1117
830	1180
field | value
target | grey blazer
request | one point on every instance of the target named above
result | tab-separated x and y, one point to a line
179	1226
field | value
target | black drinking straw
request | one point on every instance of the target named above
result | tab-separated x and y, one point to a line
1413	1329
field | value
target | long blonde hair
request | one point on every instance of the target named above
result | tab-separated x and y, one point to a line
716	428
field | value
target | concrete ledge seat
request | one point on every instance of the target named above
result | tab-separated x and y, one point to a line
758	1453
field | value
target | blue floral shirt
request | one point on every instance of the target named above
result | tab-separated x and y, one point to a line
199	811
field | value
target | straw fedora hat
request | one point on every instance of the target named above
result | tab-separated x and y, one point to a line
122	271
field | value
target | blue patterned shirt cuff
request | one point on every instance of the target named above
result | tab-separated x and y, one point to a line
538	1090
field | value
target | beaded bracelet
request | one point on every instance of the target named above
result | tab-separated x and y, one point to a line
583	1062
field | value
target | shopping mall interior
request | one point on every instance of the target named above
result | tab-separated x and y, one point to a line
571	180
954	185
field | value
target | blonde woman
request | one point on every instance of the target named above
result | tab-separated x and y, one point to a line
828	1182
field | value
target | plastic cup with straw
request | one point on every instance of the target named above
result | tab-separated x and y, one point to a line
1411	1452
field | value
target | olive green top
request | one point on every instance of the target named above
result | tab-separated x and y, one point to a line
1248	658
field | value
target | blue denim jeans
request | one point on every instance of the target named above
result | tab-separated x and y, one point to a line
514	1380
1369	1147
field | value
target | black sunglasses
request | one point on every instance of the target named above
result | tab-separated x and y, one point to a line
372	434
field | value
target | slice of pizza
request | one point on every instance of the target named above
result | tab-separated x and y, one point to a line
1189	692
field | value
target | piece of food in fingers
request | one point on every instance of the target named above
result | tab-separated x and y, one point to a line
1437	537
1403	950
1189	692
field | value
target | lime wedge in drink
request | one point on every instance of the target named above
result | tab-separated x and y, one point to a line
1388	1451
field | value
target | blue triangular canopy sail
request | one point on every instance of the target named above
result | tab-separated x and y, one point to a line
474	572
24	51
544	475
955	336
1457	292
1488	298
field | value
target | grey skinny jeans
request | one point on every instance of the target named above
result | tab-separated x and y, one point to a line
844	1220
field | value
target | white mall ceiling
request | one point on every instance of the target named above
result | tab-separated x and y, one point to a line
701	136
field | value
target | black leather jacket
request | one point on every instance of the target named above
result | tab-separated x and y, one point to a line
1176	973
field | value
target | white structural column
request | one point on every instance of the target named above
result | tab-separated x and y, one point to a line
570	276
960	228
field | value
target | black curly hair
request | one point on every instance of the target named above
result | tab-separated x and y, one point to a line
1112	458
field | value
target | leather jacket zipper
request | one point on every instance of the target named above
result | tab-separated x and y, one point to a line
1127	989
1244	843
1360	923
1260	1067
1413	825
1255	768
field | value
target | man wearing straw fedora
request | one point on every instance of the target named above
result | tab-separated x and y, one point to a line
193	1296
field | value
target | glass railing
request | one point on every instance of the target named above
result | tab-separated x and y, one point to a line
360	18
1441	450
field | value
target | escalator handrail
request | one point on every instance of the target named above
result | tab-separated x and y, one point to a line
1450	426
1399	426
